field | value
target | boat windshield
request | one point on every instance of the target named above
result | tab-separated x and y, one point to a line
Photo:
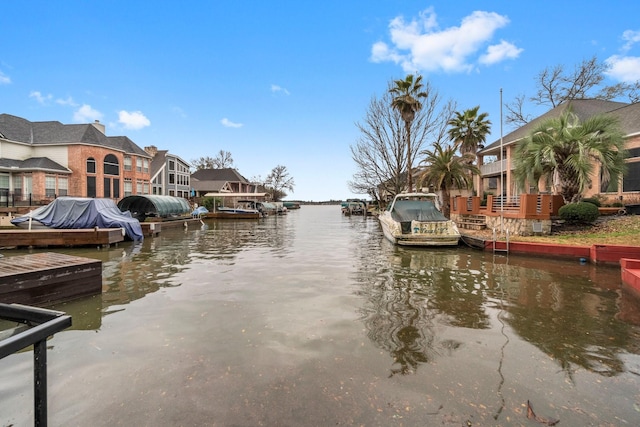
421	210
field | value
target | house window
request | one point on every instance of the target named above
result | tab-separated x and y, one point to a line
145	187
128	187
139	187
49	186
172	178
172	165
107	188
17	186
27	187
127	163
145	165
4	186
91	186
63	185
91	165
493	183
111	165
139	164
631	179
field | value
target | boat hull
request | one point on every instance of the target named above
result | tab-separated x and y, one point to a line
394	234
414	220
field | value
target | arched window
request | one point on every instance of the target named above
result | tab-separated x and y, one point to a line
91	165
111	165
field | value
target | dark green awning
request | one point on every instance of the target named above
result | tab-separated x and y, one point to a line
145	206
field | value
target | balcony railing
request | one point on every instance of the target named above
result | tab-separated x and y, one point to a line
493	168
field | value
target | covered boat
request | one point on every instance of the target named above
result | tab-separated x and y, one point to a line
415	219
79	213
154	206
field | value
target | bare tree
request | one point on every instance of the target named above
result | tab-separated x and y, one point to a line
555	85
223	160
277	181
380	154
203	163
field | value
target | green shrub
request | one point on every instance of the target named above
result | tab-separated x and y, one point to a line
617	204
593	200
581	212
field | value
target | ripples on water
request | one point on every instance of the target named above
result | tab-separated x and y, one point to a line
314	319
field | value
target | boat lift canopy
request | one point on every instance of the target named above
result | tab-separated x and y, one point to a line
144	206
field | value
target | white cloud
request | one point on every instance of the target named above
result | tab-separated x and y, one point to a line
4	79
631	38
69	101
420	45
499	52
276	89
229	124
133	120
624	68
86	114
42	99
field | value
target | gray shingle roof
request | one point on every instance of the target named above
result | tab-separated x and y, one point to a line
227	174
33	163
17	129
583	108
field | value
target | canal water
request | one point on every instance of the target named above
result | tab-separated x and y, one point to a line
313	319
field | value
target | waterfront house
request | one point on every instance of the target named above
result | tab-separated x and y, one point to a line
170	175
227	180
496	160
43	160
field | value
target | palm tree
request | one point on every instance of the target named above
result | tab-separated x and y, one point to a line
446	171
406	99
568	151
469	130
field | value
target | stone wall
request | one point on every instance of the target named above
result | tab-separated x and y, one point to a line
520	226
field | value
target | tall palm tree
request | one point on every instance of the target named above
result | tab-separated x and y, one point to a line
406	100
569	151
445	171
469	130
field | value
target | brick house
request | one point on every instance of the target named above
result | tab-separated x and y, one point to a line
497	168
42	160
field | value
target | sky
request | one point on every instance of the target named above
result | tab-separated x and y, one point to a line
285	82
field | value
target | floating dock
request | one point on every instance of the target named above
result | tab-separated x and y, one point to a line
16	238
46	278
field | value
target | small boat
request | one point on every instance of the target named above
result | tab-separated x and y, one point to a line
81	213
355	207
415	219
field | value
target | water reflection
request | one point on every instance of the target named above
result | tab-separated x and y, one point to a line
412	294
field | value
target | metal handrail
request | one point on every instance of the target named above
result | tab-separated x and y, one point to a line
42	323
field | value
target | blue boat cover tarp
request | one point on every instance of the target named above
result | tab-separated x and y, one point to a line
200	210
80	212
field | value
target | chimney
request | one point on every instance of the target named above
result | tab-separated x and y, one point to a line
152	150
99	126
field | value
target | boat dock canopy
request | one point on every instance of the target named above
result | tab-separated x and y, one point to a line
145	206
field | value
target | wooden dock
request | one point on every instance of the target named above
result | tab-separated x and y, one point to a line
16	238
46	278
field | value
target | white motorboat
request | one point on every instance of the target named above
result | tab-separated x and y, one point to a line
415	219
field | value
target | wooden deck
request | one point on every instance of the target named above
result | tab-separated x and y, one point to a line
45	278
16	238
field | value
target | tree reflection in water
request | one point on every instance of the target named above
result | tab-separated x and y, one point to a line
414	294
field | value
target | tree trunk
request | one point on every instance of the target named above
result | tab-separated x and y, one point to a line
407	125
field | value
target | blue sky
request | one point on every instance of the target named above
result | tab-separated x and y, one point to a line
284	82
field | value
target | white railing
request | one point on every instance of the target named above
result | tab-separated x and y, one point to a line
493	168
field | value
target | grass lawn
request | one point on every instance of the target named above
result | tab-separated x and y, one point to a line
607	230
